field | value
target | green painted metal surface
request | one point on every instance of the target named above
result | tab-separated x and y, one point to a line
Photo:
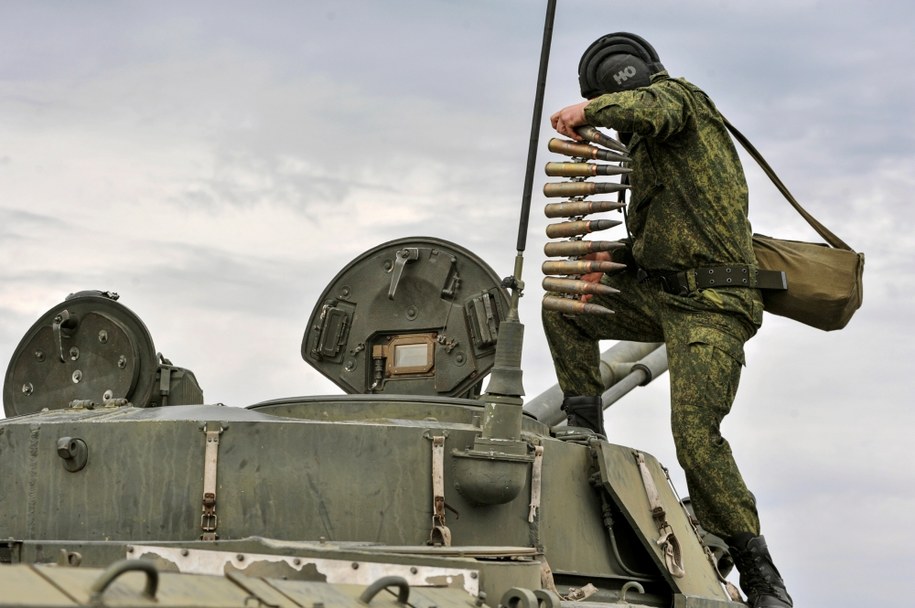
313	500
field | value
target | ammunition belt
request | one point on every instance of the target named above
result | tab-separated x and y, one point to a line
732	275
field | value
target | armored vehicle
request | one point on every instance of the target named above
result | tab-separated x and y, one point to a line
413	481
429	482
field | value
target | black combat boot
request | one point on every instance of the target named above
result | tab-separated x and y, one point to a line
587	412
759	578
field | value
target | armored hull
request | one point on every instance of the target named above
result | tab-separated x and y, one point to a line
308	487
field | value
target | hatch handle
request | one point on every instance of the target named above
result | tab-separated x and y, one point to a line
403	589
63	325
117	569
407	254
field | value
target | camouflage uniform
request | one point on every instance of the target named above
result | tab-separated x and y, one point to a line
688	210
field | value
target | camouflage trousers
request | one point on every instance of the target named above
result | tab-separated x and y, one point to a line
704	334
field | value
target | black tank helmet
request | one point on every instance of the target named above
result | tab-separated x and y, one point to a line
617	62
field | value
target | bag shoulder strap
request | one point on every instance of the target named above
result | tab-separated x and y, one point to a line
822	230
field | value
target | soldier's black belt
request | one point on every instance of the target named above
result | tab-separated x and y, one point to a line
732	275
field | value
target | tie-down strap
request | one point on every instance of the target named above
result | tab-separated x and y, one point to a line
669	544
440	534
536	483
208	519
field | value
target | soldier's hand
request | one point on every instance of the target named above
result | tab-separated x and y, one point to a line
566	119
595	277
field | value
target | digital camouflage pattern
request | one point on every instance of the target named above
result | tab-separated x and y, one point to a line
689	194
689	209
705	354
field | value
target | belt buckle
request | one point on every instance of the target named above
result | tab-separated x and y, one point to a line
672	285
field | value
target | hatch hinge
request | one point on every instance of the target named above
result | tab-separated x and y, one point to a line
208	520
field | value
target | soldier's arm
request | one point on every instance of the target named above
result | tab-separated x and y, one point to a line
656	111
566	119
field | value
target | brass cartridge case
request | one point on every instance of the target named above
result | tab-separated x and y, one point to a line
572	249
570	306
577	287
567	229
575	208
570	189
596	137
583	169
581	150
579	267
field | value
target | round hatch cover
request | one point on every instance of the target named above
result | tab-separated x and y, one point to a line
88	348
413	316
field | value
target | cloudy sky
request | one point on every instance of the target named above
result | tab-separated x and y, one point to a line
216	163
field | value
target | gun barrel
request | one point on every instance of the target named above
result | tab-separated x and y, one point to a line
623	367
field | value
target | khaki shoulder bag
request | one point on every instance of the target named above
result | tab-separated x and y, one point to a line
824	279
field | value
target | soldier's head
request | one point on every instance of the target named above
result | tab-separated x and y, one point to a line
617	62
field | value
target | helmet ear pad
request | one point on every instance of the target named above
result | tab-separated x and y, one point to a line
617	62
621	73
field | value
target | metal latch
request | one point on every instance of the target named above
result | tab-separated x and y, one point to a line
407	254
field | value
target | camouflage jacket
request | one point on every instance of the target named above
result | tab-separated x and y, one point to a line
689	194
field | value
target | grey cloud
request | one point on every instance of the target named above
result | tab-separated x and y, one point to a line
327	108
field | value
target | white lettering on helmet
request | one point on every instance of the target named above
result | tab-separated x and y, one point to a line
625	74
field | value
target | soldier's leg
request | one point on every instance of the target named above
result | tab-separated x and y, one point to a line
573	342
705	356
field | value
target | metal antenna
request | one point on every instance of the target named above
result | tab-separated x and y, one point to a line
495	469
505	379
535	125
514	282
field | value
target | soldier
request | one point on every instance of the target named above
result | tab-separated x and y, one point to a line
687	219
